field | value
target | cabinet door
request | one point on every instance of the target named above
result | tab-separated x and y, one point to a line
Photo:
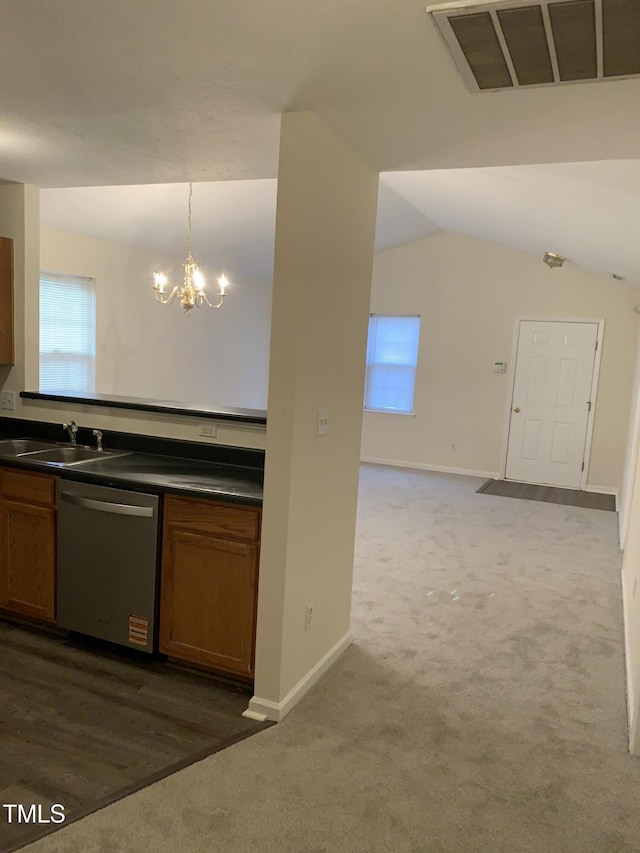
208	600
27	559
7	355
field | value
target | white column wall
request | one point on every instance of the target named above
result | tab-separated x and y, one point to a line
631	456
631	605
325	227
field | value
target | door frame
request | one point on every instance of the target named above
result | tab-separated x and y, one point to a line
511	373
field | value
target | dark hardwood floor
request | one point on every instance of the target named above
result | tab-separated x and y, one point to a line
548	494
82	726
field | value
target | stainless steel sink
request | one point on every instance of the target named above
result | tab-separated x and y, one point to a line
70	454
18	446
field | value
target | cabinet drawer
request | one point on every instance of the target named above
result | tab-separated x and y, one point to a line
203	516
31	488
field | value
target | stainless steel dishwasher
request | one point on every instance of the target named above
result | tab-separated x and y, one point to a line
108	564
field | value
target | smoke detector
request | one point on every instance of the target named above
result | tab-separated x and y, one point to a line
510	44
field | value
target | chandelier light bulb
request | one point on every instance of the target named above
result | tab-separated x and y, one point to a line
198	279
160	281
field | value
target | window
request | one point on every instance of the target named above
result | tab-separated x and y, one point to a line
392	355
67	333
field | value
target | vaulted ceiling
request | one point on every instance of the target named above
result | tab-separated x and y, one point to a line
588	212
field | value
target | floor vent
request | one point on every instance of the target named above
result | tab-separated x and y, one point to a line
516	43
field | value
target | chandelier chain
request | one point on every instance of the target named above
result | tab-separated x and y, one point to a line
189	220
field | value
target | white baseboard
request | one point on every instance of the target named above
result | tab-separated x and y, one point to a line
265	709
422	466
254	715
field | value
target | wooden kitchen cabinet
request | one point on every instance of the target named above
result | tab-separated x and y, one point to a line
6	301
28	543
209	583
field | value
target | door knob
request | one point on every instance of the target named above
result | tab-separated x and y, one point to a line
516	408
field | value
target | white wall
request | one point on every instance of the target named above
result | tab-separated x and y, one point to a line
629	468
144	349
629	515
631	604
469	293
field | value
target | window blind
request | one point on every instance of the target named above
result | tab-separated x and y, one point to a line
67	333
392	355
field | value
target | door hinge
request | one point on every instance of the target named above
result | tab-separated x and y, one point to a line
582	469
589	405
596	346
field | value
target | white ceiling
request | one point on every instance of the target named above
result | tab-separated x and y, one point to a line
103	94
588	212
154	91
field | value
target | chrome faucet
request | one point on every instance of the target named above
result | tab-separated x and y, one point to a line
72	429
98	435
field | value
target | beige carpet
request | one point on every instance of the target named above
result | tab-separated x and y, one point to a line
481	708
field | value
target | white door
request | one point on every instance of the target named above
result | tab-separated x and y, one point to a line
551	402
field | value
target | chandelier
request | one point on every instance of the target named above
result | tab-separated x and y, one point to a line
191	292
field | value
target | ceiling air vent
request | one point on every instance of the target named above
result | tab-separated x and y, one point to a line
515	43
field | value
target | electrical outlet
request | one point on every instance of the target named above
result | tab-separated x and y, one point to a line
453	447
208	430
308	616
323	421
8	400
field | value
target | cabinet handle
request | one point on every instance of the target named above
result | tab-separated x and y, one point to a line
106	506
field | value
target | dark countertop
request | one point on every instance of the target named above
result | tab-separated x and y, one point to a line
247	417
159	475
